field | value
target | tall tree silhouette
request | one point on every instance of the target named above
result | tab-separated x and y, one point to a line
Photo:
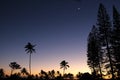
64	65
116	38
104	25
94	51
30	49
14	66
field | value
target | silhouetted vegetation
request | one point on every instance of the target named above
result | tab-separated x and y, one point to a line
43	75
2	74
64	65
103	53
104	45
14	66
24	72
30	49
94	55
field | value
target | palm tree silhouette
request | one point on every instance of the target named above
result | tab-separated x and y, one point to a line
64	65
30	49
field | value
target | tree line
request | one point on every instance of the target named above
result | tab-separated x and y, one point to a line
43	75
103	45
24	74
103	53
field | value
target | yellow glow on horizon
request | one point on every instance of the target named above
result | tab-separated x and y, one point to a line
76	62
73	69
36	70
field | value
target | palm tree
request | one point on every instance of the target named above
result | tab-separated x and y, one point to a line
30	49
64	65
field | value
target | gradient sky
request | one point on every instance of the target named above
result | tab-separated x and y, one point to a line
59	28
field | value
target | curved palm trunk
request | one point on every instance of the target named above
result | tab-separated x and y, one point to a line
63	71
30	63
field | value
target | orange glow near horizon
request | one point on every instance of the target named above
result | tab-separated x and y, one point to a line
59	29
36	70
76	62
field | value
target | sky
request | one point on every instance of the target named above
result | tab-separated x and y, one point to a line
58	28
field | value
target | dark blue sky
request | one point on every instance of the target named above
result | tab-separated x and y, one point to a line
59	28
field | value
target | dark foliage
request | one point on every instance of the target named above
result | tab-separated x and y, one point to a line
14	66
30	49
104	49
64	65
94	52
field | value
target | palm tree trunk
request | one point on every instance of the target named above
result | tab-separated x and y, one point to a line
63	71
30	63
